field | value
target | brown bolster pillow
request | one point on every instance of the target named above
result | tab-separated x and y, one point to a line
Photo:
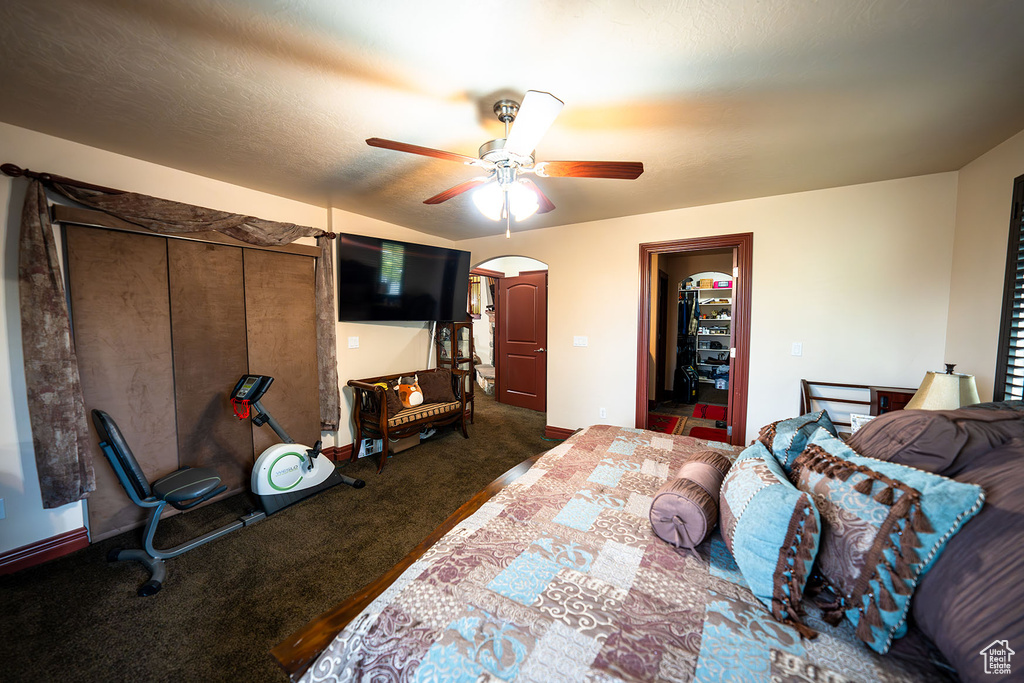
684	511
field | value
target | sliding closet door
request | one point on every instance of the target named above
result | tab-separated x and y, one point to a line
163	329
281	321
209	333
119	303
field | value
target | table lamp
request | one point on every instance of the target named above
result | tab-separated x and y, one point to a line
944	391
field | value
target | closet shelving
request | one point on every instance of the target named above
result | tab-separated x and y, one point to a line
716	304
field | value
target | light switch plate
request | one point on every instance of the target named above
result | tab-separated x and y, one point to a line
353	342
798	349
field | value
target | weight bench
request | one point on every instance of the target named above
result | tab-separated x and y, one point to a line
182	489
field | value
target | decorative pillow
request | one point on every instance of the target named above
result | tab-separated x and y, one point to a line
771	529
785	439
685	510
391	397
885	525
437	386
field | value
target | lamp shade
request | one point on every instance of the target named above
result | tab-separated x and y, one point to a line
944	391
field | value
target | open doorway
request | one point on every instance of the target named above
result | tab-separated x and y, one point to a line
693	358
512	331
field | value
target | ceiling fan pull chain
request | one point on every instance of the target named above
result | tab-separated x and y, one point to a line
508	217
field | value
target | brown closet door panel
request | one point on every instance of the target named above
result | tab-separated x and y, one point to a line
281	322
119	305
208	332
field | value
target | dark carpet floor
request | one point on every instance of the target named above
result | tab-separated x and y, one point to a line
225	604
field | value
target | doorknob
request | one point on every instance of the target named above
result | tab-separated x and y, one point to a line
540	350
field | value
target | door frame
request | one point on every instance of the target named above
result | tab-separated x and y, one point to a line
495	275
743	243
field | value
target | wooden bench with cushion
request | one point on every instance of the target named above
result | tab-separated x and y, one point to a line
379	414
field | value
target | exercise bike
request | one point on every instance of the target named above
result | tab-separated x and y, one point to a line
284	474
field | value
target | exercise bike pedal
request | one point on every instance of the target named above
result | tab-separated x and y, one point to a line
149	588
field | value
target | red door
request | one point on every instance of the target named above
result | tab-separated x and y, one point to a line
522	340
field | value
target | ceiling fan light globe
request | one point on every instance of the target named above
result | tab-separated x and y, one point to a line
523	201
489	200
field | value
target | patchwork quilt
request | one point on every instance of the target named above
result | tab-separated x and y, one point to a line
560	578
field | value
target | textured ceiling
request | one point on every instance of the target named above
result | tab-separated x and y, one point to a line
720	100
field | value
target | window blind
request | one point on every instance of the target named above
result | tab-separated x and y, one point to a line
1009	381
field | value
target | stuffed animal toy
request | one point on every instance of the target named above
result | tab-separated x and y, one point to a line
409	392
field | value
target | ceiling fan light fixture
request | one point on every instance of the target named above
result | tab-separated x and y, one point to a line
502	194
522	201
490	200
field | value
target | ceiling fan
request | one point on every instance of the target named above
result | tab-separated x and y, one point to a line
505	190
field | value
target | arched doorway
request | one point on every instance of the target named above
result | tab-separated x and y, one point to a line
512	325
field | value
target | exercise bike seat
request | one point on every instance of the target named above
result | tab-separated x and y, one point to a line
188	486
183	488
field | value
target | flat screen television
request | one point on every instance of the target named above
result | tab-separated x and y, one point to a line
388	280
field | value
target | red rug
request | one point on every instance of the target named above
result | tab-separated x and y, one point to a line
666	424
708	412
709	433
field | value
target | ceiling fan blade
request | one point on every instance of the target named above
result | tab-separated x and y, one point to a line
620	170
544	204
424	151
455	191
536	114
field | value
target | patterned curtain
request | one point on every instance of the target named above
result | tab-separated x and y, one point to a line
57	412
60	434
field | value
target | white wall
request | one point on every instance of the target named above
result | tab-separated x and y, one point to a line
860	275
982	228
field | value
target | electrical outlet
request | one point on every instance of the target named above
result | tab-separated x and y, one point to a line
798	349
353	342
579	341
602	413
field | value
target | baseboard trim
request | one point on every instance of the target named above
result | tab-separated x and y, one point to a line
338	453
557	432
43	551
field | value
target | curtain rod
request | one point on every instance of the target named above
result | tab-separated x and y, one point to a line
15	171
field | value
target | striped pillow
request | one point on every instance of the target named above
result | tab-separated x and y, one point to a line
684	511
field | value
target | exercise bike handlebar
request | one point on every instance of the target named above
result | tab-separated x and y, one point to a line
259	415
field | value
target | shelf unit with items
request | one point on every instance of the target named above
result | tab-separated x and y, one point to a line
714	330
454	344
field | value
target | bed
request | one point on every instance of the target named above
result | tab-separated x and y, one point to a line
559	577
